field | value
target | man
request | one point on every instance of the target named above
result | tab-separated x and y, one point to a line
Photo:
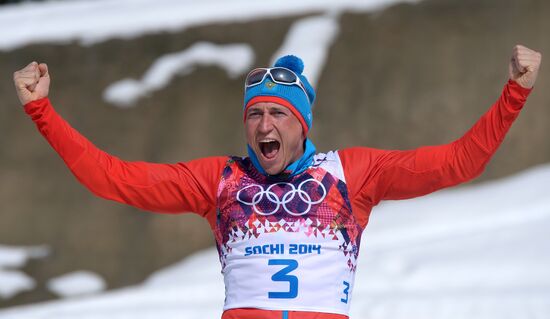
287	220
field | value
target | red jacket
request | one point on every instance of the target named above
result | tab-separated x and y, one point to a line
371	175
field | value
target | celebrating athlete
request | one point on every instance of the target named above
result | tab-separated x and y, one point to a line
287	220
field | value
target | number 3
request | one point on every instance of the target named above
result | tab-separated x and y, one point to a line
282	275
346	291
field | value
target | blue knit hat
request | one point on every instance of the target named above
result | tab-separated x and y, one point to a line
290	96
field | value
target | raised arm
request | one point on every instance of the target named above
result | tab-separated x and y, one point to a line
170	188
373	175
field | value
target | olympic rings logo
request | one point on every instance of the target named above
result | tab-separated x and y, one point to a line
288	197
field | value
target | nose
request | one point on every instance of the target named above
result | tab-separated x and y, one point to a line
266	124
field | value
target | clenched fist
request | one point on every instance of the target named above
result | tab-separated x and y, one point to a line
524	66
32	82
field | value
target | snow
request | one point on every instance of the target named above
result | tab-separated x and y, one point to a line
311	39
234	58
77	283
188	271
13	281
92	21
16	257
473	252
479	251
308	38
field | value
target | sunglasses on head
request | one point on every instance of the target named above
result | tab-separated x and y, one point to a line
278	75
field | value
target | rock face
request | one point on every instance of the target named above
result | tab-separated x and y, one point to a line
410	75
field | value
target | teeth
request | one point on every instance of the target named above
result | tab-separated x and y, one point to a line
267	140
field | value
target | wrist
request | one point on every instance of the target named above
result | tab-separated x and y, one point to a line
35	101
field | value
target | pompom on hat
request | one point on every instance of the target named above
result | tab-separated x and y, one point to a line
290	96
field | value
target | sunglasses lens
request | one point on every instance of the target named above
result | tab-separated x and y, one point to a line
255	76
283	75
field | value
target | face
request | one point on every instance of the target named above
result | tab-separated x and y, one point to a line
275	135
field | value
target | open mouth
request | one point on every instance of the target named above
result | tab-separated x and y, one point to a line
269	148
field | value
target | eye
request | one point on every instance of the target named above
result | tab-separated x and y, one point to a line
254	114
279	113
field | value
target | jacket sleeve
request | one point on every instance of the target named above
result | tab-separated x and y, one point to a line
373	175
166	188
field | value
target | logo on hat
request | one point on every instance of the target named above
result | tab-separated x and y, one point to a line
269	84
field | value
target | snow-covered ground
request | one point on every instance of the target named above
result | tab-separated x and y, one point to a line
234	58
309	38
92	21
77	283
479	251
12	280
